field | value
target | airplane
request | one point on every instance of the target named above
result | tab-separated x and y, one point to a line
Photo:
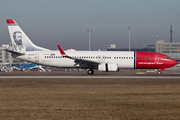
29	66
105	61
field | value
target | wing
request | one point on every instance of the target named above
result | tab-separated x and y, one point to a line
84	63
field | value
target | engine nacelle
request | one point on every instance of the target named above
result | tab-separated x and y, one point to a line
108	67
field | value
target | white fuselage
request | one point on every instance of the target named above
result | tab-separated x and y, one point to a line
54	58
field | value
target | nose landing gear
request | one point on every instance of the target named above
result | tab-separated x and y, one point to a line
159	72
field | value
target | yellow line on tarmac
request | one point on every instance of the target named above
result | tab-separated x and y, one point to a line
140	73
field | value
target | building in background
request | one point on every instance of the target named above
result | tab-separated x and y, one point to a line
172	49
6	58
150	48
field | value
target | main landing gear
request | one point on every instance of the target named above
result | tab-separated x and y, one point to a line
90	71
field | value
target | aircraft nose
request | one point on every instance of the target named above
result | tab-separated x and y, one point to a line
174	62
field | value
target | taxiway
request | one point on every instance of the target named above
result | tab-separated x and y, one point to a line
62	74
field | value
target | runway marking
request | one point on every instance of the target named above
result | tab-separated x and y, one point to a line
140	73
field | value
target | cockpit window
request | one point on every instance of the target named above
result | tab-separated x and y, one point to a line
167	58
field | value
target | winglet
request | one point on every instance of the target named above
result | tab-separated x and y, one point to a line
10	21
61	50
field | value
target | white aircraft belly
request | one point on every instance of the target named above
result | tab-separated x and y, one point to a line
126	64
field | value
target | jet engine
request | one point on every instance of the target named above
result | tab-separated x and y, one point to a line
108	67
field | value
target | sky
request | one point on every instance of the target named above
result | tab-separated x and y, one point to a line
65	22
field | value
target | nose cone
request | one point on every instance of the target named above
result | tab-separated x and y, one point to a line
170	63
174	62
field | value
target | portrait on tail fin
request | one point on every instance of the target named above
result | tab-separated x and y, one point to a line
18	46
17	37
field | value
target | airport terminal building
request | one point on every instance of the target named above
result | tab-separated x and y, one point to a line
150	48
6	58
172	49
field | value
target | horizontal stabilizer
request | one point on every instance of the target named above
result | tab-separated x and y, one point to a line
14	52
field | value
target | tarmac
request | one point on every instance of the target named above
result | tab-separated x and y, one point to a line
97	74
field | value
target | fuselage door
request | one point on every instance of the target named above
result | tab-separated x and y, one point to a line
156	58
37	57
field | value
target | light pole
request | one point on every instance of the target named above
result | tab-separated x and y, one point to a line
129	28
89	30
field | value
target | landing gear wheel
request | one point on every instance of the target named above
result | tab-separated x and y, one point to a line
90	71
159	72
